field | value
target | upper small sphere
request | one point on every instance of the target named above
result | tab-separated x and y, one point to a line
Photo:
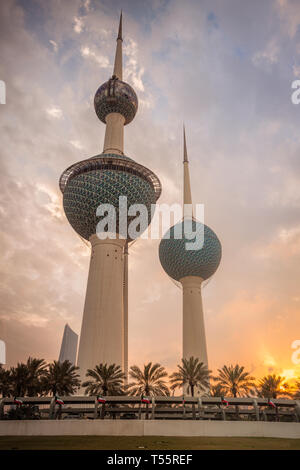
116	96
178	262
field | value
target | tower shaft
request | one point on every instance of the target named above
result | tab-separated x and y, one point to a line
193	337
125	299
102	331
114	134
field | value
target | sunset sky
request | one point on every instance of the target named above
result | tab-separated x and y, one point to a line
225	68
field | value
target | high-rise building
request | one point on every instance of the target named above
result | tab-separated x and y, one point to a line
2	342
190	268
2	352
86	186
68	349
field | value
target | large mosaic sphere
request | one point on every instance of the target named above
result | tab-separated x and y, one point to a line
92	186
116	96
178	262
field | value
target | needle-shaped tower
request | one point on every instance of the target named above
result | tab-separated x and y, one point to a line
190	267
87	185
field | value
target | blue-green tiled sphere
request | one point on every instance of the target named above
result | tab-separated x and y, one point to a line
179	262
115	96
86	191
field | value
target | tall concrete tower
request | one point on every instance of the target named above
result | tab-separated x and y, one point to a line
88	185
190	268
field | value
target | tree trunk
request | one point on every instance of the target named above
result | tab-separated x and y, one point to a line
147	393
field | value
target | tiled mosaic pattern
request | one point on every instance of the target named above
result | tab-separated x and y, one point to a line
179	262
86	191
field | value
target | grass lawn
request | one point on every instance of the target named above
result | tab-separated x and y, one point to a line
149	442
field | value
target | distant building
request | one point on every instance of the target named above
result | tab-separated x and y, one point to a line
2	352
68	348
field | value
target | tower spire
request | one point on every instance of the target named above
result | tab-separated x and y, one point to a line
185	157
187	193
118	57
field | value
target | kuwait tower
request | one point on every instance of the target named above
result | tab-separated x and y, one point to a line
190	268
93	184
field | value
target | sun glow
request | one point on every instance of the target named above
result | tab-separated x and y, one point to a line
289	374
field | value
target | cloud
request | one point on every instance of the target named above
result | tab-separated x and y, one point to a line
296	70
98	58
268	56
133	72
55	112
54	44
53	204
87	5
78	25
289	13
77	144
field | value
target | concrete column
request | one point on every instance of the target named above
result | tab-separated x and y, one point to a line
114	134
102	334
194	341
126	311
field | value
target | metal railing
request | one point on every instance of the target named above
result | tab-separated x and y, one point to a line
124	407
104	162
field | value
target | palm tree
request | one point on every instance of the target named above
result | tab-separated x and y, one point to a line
271	386
149	381
36	370
234	380
5	382
216	391
61	378
105	380
192	373
20	379
297	390
26	378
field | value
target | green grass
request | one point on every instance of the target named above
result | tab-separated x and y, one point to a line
149	442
